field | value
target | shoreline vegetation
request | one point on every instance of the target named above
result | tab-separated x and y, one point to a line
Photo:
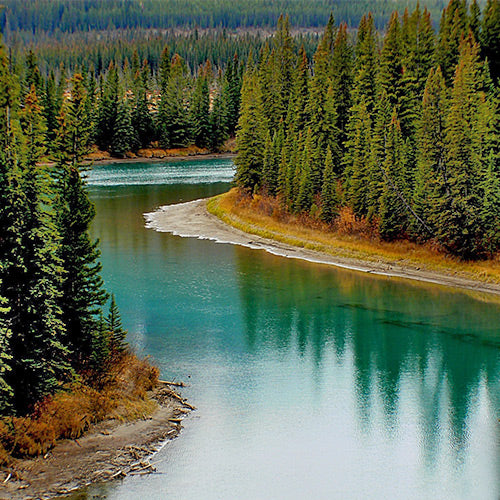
261	216
109	434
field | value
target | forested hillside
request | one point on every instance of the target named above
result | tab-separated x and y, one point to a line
51	16
399	131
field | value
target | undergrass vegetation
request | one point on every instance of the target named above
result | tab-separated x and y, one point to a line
121	393
348	237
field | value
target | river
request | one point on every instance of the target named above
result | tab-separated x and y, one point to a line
310	381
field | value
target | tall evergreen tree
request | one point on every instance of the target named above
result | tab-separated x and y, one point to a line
329	196
431	182
117	334
453	27
393	212
468	140
173	119
252	131
82	287
200	110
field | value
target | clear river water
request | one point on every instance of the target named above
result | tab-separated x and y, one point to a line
310	381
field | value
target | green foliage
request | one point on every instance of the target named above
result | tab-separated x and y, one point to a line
329	196
114	329
251	132
411	160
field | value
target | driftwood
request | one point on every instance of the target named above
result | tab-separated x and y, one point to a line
173	384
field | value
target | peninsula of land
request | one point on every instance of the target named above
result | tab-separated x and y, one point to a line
219	219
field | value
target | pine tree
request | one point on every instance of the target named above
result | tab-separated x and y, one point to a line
200	110
141	118
251	134
366	65
391	62
218	122
453	28
29	268
357	163
107	110
82	287
329	196
124	137
284	66
232	94
115	329
342	81
51	109
475	20
298	113
393	216
173	120
432	178
304	176
469	139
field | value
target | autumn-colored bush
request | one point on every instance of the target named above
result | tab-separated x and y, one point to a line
348	224
69	413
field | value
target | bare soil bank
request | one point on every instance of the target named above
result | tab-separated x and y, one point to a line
192	219
110	450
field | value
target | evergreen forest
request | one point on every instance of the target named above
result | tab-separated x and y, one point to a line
53	329
398	129
53	16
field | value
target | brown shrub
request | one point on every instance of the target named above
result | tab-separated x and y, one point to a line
348	224
68	414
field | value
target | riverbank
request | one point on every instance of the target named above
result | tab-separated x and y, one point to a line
224	220
110	450
84	435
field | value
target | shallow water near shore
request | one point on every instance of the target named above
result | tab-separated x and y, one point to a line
310	381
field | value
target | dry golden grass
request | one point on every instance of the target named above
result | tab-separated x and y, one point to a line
68	414
350	238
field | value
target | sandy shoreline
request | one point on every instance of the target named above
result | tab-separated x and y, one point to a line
192	220
110	450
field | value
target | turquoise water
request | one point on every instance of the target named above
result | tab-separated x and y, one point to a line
310	382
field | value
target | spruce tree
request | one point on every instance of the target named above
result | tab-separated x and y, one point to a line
367	64
393	212
251	134
29	267
391	62
82	288
469	142
107	110
174	126
117	334
329	195
141	118
342	80
453	27
431	183
200	110
124	137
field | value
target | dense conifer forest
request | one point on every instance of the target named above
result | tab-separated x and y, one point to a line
399	129
52	324
51	16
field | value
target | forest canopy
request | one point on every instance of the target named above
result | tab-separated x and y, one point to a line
52	16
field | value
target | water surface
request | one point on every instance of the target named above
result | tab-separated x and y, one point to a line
310	381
